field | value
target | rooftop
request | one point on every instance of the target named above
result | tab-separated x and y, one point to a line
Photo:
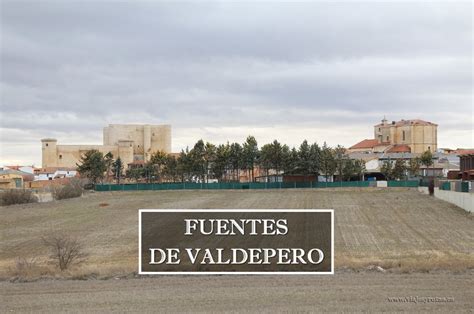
368	144
365	144
399	149
464	152
407	122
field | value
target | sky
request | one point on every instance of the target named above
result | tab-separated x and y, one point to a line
223	70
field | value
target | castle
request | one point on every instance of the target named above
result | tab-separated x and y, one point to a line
404	136
131	142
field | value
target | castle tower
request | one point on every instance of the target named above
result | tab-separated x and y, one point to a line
125	151
49	152
146	142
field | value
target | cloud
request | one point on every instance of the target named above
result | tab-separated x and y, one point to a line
221	71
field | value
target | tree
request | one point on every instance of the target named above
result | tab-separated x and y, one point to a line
109	159
117	169
250	155
340	159
287	159
235	160
198	161
135	173
353	168
156	164
315	159
209	158
221	163
291	164
170	170
387	169
359	169
265	160
414	166
426	159
304	158
277	156
399	169
92	166
184	165
348	170
65	250
328	163
149	172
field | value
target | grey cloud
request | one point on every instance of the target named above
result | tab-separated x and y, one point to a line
70	68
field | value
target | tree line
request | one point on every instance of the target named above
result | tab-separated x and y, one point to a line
399	169
226	162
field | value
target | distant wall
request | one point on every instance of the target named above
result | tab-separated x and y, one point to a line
461	199
382	184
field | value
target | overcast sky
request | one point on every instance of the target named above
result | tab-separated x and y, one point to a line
220	71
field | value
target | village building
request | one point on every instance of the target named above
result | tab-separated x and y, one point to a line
404	136
467	164
14	179
130	142
53	173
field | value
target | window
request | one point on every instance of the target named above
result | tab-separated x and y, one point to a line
403	133
388	138
60	156
46	144
429	148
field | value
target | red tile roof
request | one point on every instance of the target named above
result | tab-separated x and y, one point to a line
463	151
399	149
365	144
368	144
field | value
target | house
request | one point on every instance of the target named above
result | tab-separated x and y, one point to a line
13	179
27	169
53	173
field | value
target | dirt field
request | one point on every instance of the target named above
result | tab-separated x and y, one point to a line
396	228
425	245
343	292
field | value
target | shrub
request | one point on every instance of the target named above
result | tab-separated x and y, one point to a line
18	196
24	264
65	250
69	190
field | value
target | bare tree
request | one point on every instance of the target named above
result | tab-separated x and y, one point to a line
65	250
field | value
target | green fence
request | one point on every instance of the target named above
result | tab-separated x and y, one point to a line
242	186
454	185
446	186
408	184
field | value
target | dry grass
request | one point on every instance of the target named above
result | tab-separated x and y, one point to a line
397	229
423	262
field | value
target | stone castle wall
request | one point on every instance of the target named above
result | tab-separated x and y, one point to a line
129	142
